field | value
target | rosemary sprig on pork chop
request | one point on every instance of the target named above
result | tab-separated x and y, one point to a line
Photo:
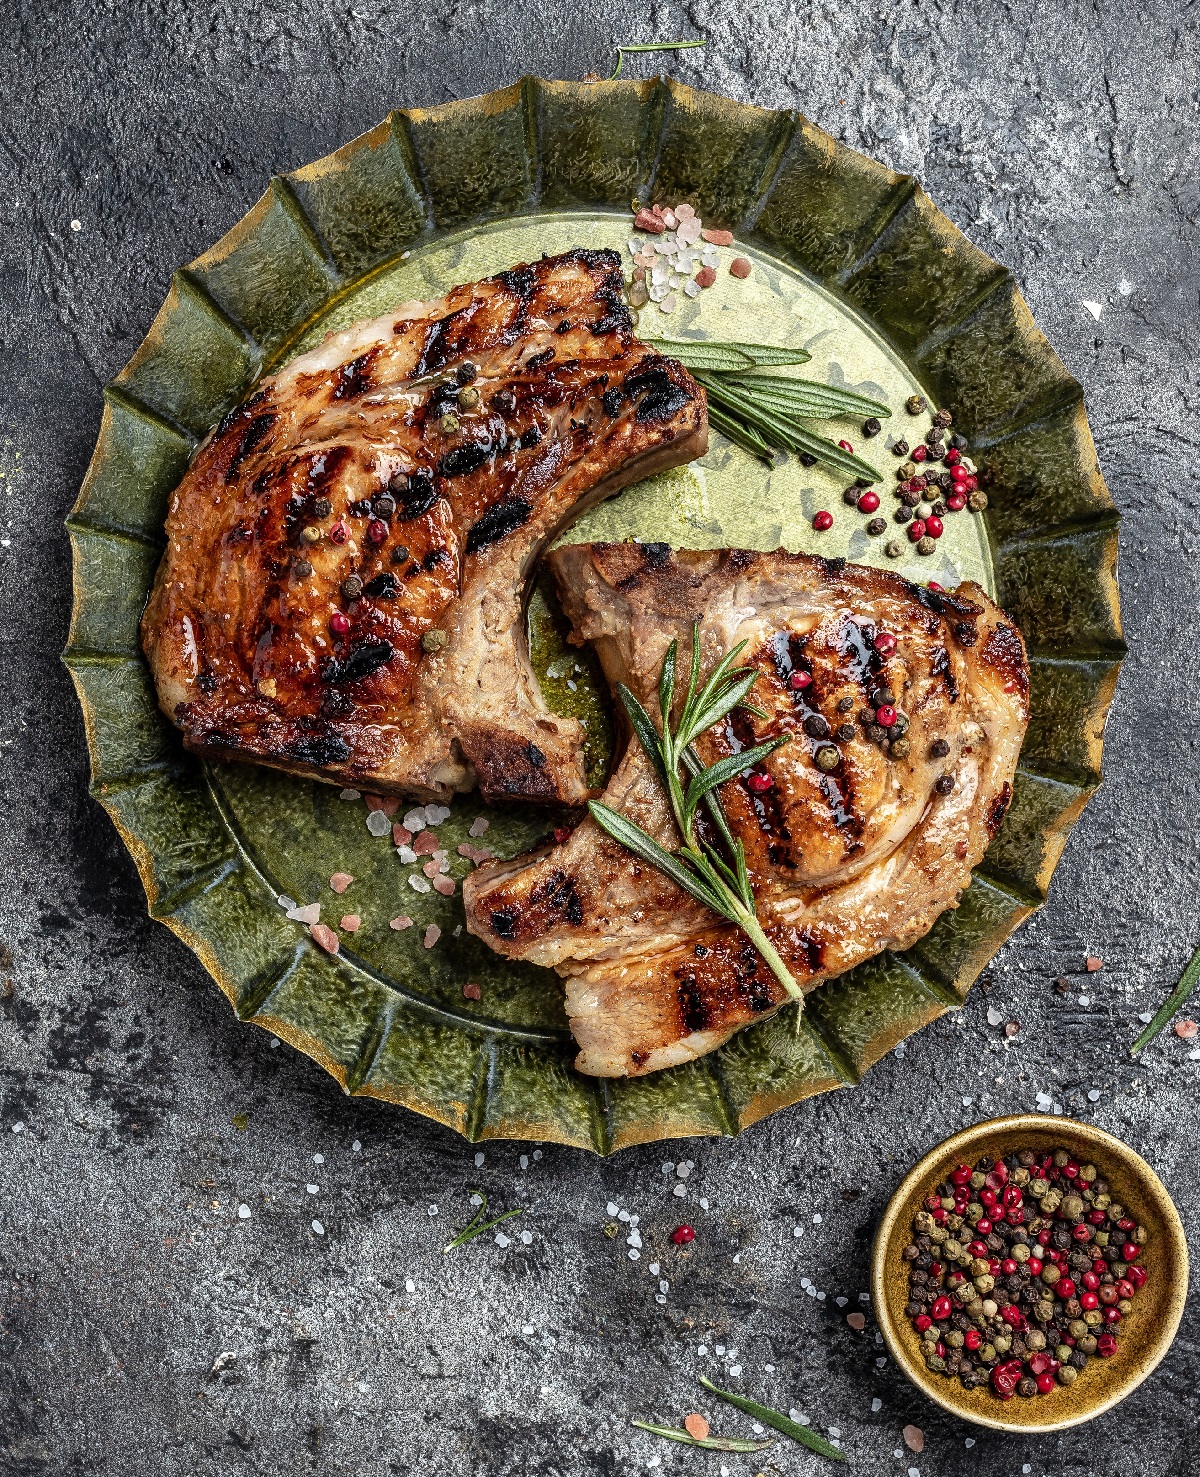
714	874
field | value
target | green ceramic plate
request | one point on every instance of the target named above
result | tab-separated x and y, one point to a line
851	261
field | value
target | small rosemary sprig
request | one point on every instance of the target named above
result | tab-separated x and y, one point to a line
708	1443
475	1228
1177	997
777	1421
762	413
720	882
651	46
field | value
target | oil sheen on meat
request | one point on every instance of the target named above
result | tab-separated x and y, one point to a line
846	861
342	590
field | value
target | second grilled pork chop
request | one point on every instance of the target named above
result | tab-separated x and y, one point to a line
342	590
857	836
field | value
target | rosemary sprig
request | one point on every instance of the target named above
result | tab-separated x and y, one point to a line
1187	983
778	1422
469	1232
720	882
651	46
762	412
709	1443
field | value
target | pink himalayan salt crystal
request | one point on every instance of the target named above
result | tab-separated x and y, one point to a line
914	1438
646	220
432	867
400	923
739	267
685	212
324	937
401	835
706	276
425	844
479	825
718	238
351	922
857	1321
1186	1029
476	854
471	990
432	934
444	885
340	881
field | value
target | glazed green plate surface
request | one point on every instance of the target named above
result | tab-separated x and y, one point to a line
851	262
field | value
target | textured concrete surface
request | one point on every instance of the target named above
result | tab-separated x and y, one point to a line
144	1326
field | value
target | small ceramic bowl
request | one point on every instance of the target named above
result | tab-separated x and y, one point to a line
1145	1334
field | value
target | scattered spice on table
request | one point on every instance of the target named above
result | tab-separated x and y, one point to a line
1174	1001
914	1438
1020	1271
1092	964
340	881
477	1224
708	1443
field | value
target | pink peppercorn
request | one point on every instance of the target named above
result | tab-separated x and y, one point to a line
868	502
934	526
758	782
798	681
919	453
339	624
956	502
885	716
916	530
681	1235
337	534
822	521
845	445
885	644
377	530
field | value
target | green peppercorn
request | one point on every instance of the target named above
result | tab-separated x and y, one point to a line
310	535
468	398
1002	1342
986	1353
1072	1208
1067	1374
935	1363
1087	1172
1037	1187
985	1283
894	549
827	758
1050	1274
448	424
1093	1317
1035	1339
906	470
433	640
900	748
926	545
977	501
978	1179
915	404
1020	1252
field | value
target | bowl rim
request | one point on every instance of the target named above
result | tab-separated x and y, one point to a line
890	1325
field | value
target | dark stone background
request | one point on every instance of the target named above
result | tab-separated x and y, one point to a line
1063	138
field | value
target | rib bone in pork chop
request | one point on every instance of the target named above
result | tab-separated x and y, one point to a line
342	590
906	709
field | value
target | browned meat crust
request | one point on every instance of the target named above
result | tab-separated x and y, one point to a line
342	590
846	861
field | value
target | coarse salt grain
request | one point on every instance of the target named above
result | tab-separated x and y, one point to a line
286	903
312	1189
876	1405
406	854
740	267
351	922
350	795
718	238
324	937
479	1160
478	826
436	814
378	823
409	1285
308	914
502	1240
356	1146
401	835
1186	1029
418	883
914	1438
243	1212
425	844
415	820
401	923
318	1158
432	934
318	1228
1146	1017
1093	1096
340	881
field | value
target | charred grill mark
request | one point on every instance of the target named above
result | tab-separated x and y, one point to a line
499	520
750	985
808	949
444	340
839	793
318	749
364	659
252	437
325	466
693	1012
767	807
520	281
965	633
416	497
354	378
943	604
998	810
658	396
559	892
530	438
504	922
612	400
1004	652
598	259
536	361
240	412
863	663
940	666
463	459
383	587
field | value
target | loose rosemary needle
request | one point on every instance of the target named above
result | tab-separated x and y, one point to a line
634	46
715	875
1187	983
778	1422
475	1228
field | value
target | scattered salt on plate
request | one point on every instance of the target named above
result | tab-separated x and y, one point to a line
310	913
377	823
432	934
478	826
401	923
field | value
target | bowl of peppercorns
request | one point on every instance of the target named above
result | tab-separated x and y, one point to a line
1029	1273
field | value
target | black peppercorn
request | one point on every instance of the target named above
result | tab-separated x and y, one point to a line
850	497
384	506
942	417
816	726
504	401
960	443
845	733
845	704
871	427
302	569
352	587
807	459
940	508
398	483
883	697
902	514
399	553
938	750
944	784
900	447
466	372
322	507
910	496
876	526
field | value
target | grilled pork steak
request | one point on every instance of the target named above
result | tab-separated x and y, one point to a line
342	590
906	710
